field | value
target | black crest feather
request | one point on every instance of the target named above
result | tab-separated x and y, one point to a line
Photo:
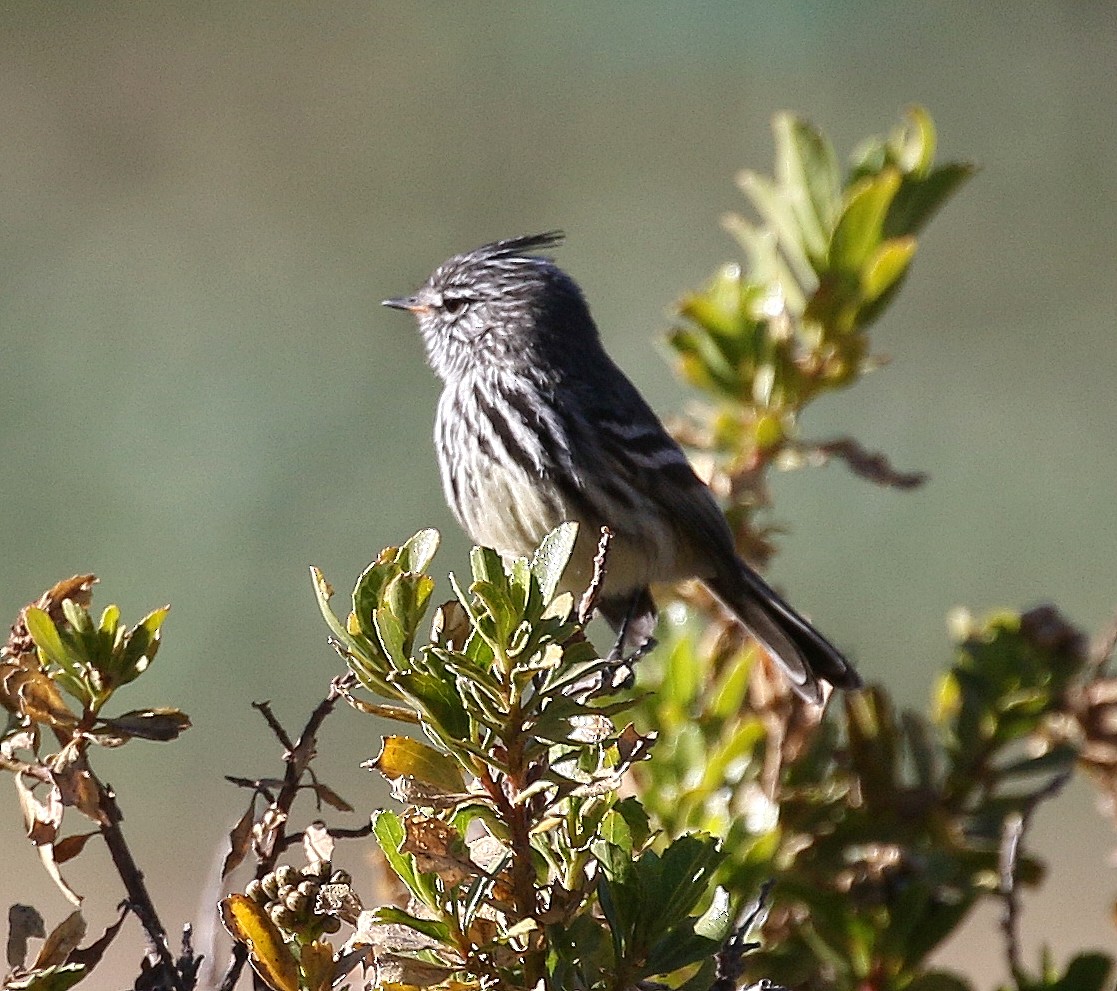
519	247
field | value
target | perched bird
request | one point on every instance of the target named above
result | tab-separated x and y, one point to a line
536	425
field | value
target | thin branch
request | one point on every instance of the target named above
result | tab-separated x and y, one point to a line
296	757
730	958
264	708
355	833
588	602
139	900
862	462
1012	837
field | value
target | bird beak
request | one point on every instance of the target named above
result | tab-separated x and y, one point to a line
412	303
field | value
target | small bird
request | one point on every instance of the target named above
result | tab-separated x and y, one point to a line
536	425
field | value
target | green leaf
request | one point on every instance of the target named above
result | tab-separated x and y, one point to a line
1087	972
438	700
915	144
368	592
418	551
388	829
686	867
552	556
391	637
45	634
859	229
778	214
886	266
487	566
716	922
939	980
49	979
678	949
918	200
407	596
389	915
1056	761
141	647
808	172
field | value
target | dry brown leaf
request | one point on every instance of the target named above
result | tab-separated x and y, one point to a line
62	941
79	588
79	789
240	840
339	900
451	626
37	697
91	955
266	831
331	797
70	846
40	819
437	848
24	922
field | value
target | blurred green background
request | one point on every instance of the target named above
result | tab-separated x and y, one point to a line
203	203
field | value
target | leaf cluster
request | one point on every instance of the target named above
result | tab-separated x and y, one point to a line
517	858
881	829
59	669
823	262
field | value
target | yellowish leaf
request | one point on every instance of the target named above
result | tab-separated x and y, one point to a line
248	923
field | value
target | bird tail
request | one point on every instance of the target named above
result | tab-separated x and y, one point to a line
805	655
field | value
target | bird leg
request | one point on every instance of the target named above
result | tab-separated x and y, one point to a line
635	626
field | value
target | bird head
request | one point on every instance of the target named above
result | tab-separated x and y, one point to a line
497	303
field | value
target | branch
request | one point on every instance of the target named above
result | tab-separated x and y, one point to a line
588	602
139	900
862	462
297	756
355	833
729	959
1016	825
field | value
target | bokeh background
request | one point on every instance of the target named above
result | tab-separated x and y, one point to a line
203	203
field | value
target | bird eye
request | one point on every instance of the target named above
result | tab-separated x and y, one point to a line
453	305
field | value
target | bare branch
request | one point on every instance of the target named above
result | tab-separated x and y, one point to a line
866	464
296	757
264	708
600	566
1015	826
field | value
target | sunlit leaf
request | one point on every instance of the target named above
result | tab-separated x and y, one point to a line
52	979
552	556
418	551
248	923
62	940
861	224
402	756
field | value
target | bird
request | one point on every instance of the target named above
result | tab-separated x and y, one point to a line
537	425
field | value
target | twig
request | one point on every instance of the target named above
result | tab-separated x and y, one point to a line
139	900
264	708
588	602
297	756
1015	826
355	833
729	959
862	462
